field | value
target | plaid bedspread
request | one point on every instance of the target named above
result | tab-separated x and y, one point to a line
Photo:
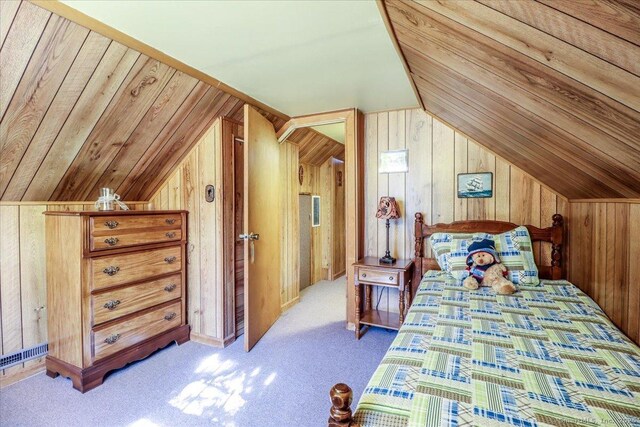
545	356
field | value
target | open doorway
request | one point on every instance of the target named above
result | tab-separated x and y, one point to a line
322	237
339	184
352	180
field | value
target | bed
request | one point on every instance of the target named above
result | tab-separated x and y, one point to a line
547	355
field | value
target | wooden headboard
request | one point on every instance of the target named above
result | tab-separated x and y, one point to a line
551	269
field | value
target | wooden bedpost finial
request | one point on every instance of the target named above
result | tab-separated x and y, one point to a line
341	397
556	246
558	220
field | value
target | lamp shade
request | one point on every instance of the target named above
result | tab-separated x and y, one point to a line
388	208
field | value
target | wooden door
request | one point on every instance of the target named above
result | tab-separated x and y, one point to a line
262	217
238	247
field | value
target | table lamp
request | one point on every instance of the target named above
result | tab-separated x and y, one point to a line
387	209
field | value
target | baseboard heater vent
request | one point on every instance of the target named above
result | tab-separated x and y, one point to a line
21	356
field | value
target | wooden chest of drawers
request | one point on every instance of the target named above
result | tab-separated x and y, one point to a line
116	289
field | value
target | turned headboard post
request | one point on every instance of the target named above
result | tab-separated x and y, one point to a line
418	234
557	264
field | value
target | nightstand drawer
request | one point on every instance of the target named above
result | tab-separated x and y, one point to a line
377	276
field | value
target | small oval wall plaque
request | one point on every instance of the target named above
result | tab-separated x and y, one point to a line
301	174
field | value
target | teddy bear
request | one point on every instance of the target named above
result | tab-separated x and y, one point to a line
485	268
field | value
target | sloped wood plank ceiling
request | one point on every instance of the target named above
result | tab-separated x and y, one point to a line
553	86
80	111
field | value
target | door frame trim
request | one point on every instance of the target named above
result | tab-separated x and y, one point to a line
354	185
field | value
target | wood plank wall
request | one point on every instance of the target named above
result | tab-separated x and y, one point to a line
328	240
604	254
332	223
437	154
210	317
535	82
184	189
312	184
23	293
290	282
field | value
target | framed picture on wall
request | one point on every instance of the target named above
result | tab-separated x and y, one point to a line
315	211
395	161
475	185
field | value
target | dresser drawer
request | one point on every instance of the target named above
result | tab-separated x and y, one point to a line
377	276
124	334
100	224
133	238
124	268
119	302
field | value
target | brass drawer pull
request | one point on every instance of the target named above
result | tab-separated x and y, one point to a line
111	241
111	270
170	316
170	221
170	234
111	305
111	224
112	339
170	288
170	259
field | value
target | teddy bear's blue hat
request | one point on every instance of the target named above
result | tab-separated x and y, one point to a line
484	245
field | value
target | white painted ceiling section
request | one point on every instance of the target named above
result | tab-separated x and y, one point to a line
299	57
334	131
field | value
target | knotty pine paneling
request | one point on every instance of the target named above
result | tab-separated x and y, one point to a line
210	314
436	155
603	259
23	293
538	83
312	184
332	218
80	111
184	189
290	206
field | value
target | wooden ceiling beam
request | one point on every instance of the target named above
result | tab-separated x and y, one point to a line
562	57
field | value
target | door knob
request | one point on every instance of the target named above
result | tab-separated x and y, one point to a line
250	236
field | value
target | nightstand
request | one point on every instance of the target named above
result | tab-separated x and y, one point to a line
370	272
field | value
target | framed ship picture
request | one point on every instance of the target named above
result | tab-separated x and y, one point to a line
475	185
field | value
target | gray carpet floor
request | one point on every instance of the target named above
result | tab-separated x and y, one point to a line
283	381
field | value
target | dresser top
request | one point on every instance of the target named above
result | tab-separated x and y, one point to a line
111	213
